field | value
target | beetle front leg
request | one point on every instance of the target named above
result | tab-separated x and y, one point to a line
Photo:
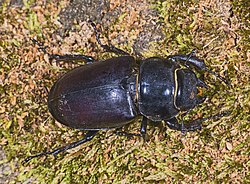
173	124
189	60
89	136
191	126
194	125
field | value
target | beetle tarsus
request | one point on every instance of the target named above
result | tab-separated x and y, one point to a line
40	46
220	77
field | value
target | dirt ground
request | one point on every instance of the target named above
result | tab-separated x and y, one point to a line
218	30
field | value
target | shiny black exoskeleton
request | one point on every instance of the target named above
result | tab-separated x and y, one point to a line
111	93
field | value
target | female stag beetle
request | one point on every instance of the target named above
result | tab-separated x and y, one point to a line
111	93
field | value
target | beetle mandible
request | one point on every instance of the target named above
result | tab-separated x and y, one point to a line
111	93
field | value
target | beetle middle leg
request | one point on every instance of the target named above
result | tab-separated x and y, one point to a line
72	57
67	57
89	136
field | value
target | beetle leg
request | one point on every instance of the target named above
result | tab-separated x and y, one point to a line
88	137
173	124
40	46
67	57
192	126
189	60
126	134
71	57
108	48
143	129
218	76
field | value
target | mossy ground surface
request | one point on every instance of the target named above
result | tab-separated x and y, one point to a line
219	153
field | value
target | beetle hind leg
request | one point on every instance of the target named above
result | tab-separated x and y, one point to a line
108	48
89	136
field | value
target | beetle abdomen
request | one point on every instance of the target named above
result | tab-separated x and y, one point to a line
92	97
96	108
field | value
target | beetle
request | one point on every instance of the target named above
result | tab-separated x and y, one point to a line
112	93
